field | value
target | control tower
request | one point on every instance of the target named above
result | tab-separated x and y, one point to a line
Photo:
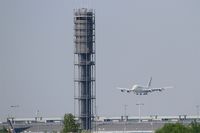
84	66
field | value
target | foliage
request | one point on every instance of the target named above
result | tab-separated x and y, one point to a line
70	124
3	130
173	128
85	131
194	127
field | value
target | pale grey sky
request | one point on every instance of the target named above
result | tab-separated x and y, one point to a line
136	39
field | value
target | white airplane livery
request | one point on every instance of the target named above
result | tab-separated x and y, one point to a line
143	90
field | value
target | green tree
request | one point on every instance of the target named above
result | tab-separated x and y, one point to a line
70	124
3	130
173	128
194	127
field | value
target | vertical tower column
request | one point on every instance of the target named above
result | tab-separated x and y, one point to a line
84	66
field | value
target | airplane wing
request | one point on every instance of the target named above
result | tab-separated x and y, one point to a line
124	89
160	89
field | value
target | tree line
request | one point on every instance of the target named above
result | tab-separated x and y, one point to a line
194	127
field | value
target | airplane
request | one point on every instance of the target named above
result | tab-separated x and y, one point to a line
143	90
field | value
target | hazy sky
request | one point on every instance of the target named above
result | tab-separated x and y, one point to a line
135	39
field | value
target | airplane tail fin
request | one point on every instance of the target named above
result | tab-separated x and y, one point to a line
149	83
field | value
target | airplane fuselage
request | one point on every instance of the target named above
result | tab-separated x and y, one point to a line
140	90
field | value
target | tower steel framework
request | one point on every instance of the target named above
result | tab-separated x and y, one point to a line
84	66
